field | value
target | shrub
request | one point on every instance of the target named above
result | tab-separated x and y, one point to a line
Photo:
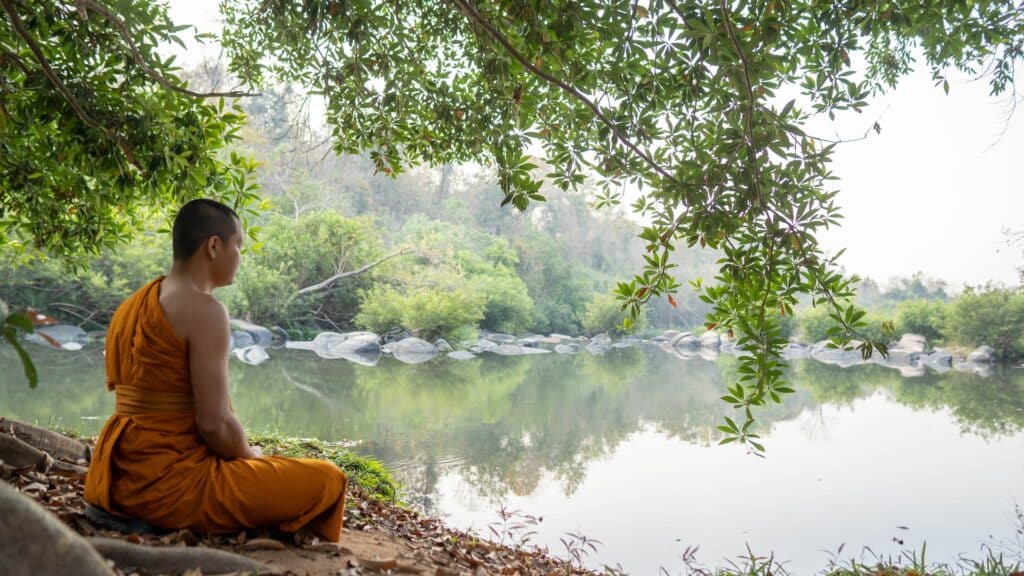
989	315
813	324
428	312
507	307
604	313
924	317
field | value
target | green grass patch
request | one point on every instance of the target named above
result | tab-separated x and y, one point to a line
368	473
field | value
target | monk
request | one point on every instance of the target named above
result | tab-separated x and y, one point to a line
174	454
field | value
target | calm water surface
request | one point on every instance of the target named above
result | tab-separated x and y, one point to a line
622	448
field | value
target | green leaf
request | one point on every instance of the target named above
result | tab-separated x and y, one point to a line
10	334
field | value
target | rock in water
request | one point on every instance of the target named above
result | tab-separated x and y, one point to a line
260	335
280	337
501	338
507	350
982	355
567	348
442	345
603	339
710	339
241	339
414	351
253	355
33	541
530	342
912	343
357	347
461	355
821	352
595	348
66	336
485	344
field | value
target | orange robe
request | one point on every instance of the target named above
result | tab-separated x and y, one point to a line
151	463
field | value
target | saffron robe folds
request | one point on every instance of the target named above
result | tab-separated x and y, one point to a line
151	463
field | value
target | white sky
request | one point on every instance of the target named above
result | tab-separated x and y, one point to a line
933	192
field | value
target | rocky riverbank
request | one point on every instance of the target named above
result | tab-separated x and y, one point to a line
912	355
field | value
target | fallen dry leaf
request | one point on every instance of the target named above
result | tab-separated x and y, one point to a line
264	544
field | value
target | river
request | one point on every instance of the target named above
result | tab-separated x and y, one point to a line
623	448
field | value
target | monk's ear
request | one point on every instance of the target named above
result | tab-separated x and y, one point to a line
212	246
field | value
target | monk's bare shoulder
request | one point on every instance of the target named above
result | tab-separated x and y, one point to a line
195	316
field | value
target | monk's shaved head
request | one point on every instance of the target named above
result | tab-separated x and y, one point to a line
197	221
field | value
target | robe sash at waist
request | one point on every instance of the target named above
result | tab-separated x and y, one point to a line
134	401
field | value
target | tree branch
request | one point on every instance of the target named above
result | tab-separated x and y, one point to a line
328	283
156	76
467	7
748	84
37	52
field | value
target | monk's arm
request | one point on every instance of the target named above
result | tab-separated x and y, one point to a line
209	343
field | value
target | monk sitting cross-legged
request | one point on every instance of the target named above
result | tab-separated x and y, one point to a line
174	454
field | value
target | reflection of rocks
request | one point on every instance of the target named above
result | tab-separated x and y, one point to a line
685	340
709	354
414	351
596	348
681	353
461	355
794	351
983	369
66	336
253	355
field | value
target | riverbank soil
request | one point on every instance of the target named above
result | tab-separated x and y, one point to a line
379	537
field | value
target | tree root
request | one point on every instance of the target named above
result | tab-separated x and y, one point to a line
33	541
56	444
19	455
130	557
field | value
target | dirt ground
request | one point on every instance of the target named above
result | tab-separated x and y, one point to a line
379	537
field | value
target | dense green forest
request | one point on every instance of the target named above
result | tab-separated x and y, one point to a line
441	260
458	263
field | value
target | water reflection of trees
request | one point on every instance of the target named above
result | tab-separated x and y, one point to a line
505	422
992	406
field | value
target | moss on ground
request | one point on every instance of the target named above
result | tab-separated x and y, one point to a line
363	471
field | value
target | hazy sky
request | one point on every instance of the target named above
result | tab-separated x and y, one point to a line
933	192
